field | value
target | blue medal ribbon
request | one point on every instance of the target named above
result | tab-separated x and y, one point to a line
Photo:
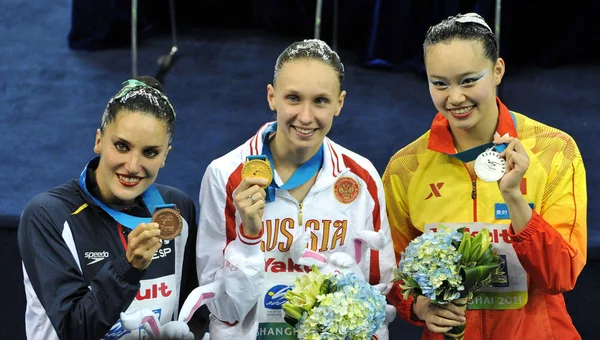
471	154
151	197
305	172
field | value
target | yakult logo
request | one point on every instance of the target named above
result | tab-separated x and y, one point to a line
273	266
153	292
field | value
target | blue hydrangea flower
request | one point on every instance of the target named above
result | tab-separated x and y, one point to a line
431	260
353	309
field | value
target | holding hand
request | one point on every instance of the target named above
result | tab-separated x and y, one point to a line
439	318
142	243
249	199
517	163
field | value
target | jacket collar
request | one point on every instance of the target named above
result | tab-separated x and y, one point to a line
440	137
137	208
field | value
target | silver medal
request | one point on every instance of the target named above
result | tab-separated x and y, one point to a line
489	166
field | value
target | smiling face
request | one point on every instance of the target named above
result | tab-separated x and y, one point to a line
306	96
132	149
462	82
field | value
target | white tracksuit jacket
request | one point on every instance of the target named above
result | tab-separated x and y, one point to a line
346	197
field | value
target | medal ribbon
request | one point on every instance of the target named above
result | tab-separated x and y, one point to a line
151	197
471	154
305	172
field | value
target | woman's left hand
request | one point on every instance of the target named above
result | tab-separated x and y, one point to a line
517	163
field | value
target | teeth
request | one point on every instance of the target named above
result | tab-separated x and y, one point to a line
304	131
129	179
462	110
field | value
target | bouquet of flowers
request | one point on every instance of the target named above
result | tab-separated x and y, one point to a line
324	306
447	266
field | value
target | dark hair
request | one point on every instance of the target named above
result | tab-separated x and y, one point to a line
142	94
311	49
470	26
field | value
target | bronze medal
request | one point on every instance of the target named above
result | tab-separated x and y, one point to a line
258	168
169	222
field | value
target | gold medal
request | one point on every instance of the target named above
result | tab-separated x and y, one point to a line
169	222
257	167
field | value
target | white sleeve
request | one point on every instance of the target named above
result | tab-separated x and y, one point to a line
383	268
387	258
223	254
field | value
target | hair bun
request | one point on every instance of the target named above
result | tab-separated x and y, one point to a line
151	81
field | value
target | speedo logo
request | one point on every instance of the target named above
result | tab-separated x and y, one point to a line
95	256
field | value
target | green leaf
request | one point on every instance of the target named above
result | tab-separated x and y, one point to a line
406	293
475	275
398	275
449	294
477	238
486	240
291	321
292	311
325	287
465	244
410	281
487	257
474	251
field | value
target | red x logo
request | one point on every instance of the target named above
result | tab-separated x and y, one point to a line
435	190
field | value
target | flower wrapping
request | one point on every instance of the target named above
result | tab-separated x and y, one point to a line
324	306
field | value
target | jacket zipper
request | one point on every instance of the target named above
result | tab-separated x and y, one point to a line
473	192
474	197
300	214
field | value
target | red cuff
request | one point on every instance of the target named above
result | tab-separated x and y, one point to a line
228	323
403	307
250	240
535	225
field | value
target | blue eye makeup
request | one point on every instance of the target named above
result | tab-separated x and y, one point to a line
471	80
437	83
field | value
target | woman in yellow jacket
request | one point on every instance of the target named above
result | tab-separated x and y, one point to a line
481	165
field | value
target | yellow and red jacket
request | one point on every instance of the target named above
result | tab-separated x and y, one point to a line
424	184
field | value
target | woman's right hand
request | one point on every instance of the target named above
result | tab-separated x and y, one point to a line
142	243
439	318
249	200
